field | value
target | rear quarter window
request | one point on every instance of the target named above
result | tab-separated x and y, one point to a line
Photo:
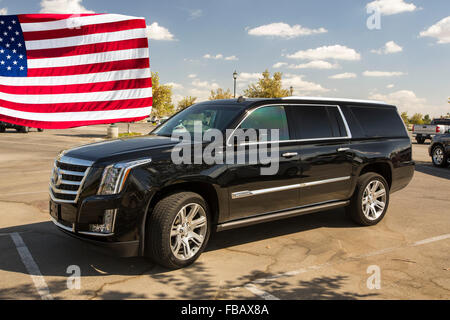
379	121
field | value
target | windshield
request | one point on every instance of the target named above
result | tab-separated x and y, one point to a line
209	116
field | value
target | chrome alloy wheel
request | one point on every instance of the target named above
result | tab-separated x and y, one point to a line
188	231
438	156
374	200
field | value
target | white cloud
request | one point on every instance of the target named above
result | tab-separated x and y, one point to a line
195	13
219	56
231	58
157	32
279	65
63	6
345	75
383	73
3	11
389	47
315	64
192	75
390	86
301	86
336	52
407	100
440	31
246	76
205	84
283	30
175	86
390	7
201	94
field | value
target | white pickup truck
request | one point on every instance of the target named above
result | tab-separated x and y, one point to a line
427	131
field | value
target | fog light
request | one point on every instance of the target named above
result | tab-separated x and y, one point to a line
108	223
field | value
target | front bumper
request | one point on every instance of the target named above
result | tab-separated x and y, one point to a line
118	249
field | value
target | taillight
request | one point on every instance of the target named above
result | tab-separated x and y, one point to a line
413	127
438	129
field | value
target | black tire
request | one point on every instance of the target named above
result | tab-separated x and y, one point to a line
2	129
436	163
355	209
420	140
40	130
159	225
23	129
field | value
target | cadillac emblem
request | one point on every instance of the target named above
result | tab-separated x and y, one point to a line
57	177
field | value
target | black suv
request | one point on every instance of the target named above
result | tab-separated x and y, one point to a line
129	196
439	150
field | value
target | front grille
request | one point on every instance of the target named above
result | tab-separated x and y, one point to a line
67	178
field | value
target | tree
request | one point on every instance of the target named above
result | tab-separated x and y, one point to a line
186	102
405	118
220	94
416	119
267	87
162	97
426	119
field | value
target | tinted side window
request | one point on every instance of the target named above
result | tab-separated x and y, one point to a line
311	122
379	121
268	118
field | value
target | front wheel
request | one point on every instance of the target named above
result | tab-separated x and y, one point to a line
178	229
370	201
439	157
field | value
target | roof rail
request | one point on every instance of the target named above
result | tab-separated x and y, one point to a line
332	99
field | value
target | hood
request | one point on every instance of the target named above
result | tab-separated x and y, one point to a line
120	149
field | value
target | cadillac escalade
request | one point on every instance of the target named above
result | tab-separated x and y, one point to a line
128	195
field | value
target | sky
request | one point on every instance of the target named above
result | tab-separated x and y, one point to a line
397	51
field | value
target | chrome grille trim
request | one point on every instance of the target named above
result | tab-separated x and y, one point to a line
60	195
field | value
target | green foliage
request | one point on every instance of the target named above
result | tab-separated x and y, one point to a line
405	117
426	119
267	87
417	118
162	97
186	102
220	94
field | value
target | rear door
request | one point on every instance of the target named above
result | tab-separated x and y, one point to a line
325	159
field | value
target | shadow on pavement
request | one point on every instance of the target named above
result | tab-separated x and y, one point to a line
53	252
83	135
428	168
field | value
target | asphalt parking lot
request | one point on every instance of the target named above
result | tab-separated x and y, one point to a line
316	256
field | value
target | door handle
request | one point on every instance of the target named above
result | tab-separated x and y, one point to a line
342	149
289	154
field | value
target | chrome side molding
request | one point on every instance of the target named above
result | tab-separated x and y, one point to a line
248	193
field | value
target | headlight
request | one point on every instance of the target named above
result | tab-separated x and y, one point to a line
115	175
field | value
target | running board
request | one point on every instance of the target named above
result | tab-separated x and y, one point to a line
280	215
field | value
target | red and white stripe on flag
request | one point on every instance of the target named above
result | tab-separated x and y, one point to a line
78	70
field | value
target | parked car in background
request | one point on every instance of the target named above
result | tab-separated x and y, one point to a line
129	196
439	149
23	129
427	131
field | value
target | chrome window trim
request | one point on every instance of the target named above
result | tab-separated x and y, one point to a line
347	128
248	193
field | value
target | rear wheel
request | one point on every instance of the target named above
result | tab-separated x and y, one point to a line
420	140
178	229
439	157
23	129
40	130
370	201
2	129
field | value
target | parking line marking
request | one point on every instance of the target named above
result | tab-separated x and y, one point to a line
32	267
252	288
263	294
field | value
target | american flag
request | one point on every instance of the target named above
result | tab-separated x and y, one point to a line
61	71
